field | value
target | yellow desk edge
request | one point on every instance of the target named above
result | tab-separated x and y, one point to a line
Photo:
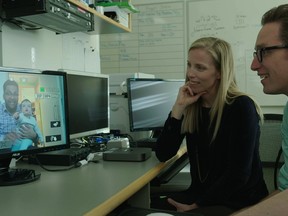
113	202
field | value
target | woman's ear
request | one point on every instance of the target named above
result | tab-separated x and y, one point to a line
218	76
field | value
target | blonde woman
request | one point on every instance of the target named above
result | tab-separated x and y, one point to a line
221	127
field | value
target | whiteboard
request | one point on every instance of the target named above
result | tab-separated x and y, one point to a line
237	22
163	31
155	46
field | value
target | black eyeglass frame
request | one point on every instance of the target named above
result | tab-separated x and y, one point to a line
259	52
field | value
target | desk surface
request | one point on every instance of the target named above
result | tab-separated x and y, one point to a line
274	205
94	189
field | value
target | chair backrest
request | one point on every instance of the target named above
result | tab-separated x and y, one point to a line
270	139
270	143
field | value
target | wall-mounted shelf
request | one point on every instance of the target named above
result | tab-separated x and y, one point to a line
103	24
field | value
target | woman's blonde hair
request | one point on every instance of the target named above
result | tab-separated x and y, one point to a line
222	56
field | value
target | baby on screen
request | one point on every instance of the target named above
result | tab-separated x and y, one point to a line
24	118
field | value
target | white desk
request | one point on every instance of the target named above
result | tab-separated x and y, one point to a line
94	189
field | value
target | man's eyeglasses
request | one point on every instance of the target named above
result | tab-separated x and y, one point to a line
259	52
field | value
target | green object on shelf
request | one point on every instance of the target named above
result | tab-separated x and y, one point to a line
127	6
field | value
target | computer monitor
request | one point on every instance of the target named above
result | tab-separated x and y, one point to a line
150	101
88	104
33	118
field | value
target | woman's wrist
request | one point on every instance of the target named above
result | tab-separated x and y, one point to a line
177	112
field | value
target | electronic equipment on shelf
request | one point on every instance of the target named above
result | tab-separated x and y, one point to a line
57	15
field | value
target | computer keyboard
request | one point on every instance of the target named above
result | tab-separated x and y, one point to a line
146	142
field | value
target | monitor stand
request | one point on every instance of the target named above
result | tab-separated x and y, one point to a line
15	176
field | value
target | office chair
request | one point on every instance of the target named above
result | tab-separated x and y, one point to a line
270	144
278	164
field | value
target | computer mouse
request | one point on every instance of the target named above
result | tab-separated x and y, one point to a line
159	214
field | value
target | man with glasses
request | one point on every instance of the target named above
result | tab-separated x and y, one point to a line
7	121
271	63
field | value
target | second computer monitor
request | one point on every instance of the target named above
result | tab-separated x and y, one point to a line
88	104
150	101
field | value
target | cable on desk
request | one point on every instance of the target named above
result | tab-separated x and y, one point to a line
89	158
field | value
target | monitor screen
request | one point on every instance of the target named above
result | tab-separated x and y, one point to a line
150	101
88	104
33	116
32	100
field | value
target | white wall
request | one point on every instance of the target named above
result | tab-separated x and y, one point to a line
44	49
